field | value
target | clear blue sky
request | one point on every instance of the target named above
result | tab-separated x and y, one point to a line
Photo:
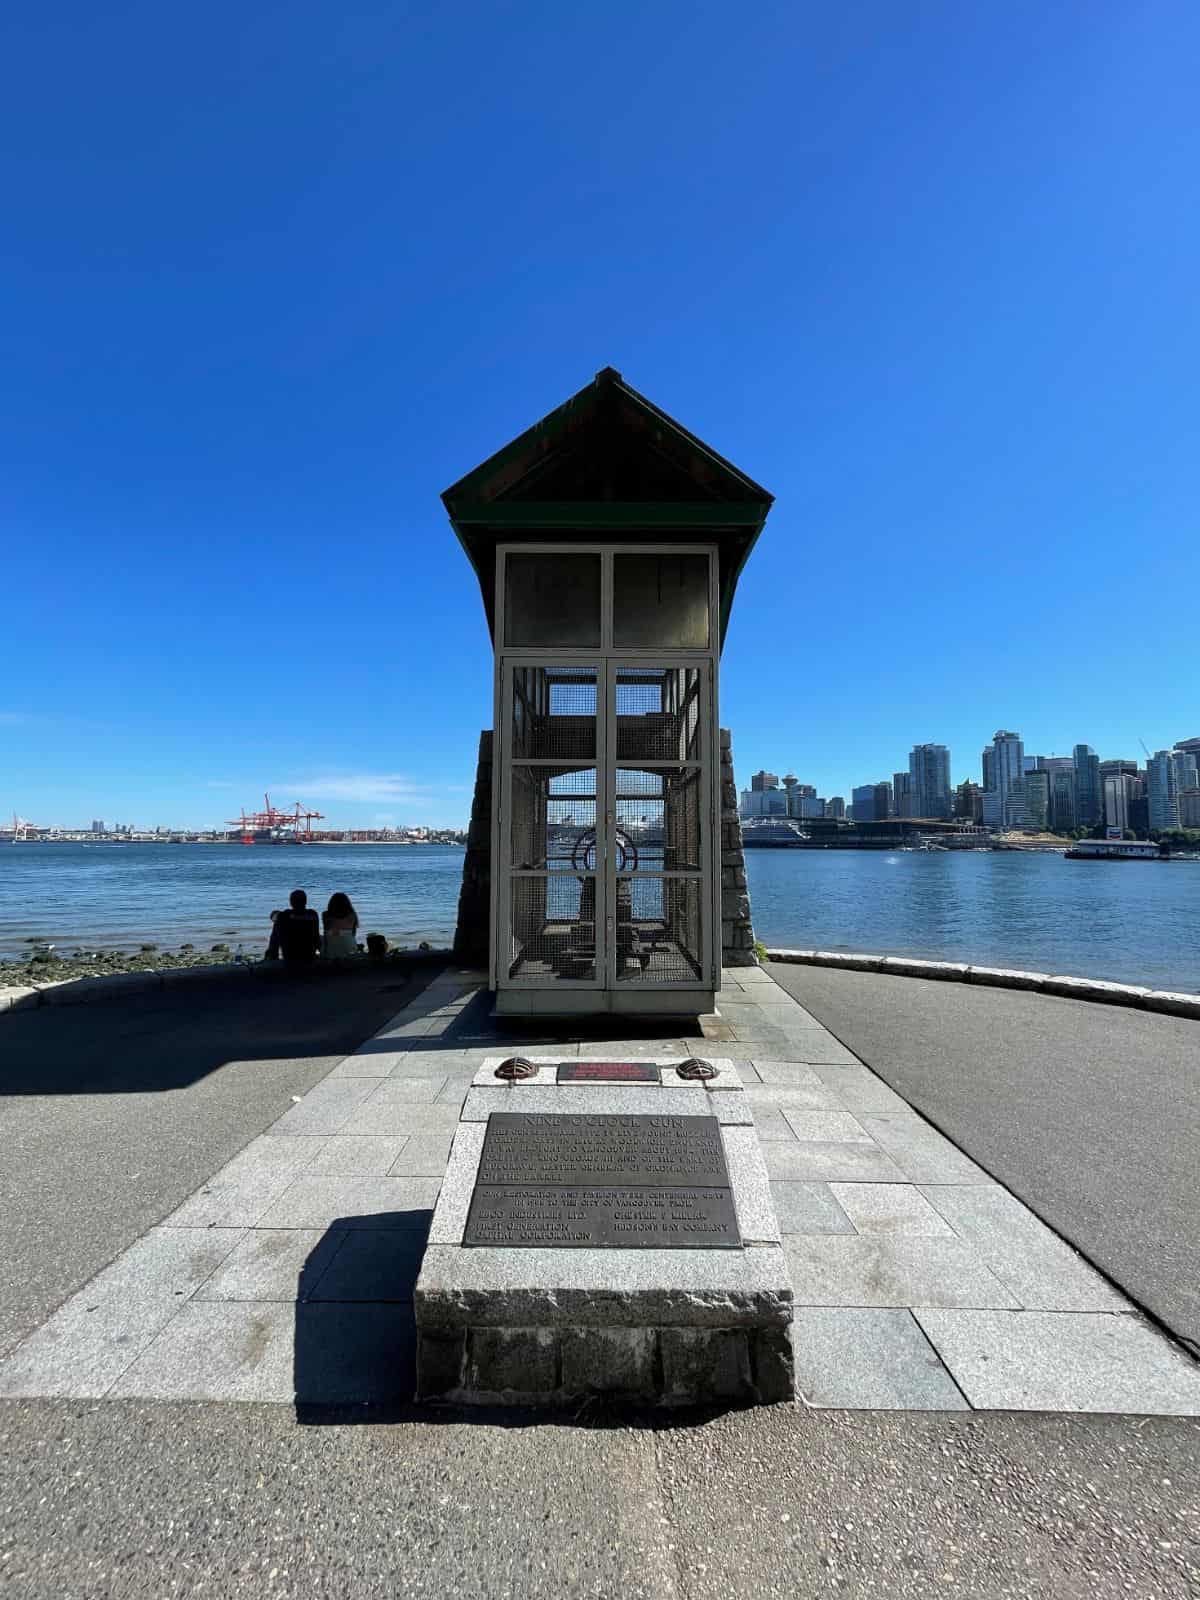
272	276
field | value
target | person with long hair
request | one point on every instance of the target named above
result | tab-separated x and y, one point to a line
341	926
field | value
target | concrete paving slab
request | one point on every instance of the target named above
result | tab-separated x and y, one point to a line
859	1090
218	1350
808	1208
769	1121
802	1096
789	1074
346	1154
407	1089
401	1117
272	1264
353	1202
839	1270
372	1264
873	1359
166	1264
826	1127
1063	1361
820	1052
1042	1271
245	1187
326	1108
424	1156
921	1151
458	1183
846	1163
893	1210
84	1347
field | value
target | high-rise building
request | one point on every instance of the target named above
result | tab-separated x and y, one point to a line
835	807
808	806
1189	808
1120	791
929	781
1003	803
1062	797
1089	796
97	827
987	762
902	805
763	803
762	781
872	802
1117	767
1162	790
968	801
1184	762
1035	796
1191	746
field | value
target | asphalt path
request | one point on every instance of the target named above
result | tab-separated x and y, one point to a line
112	1113
1089	1113
123	1499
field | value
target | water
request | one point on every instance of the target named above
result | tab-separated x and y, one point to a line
1125	921
1133	922
115	897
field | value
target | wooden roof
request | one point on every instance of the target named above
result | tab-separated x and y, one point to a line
607	465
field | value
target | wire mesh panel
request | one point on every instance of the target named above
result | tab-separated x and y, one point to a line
553	713
553	932
553	822
658	713
659	812
659	930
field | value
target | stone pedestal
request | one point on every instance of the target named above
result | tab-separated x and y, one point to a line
547	1325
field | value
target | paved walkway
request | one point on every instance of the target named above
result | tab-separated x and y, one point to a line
1090	1113
920	1282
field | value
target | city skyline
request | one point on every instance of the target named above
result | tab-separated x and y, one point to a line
1014	789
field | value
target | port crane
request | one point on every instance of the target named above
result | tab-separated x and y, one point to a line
296	822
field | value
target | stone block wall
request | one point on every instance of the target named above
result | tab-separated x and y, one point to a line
737	928
474	898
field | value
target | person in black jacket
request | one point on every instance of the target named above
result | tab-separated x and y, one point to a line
296	934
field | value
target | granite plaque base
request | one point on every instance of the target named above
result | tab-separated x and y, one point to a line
554	1270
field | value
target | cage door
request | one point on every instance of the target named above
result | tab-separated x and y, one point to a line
659	807
552	839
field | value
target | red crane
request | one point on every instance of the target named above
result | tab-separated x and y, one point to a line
297	821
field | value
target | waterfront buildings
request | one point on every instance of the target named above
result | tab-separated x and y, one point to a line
1189	808
1162	790
1035	795
968	801
1003	800
902	795
1089	796
929	781
1120	791
835	807
762	781
872	802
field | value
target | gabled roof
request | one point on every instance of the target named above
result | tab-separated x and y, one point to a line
607	464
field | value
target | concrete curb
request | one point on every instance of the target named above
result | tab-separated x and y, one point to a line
1094	989
116	985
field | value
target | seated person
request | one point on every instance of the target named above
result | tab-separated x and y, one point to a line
295	933
341	927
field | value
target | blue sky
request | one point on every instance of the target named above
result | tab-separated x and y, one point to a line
273	276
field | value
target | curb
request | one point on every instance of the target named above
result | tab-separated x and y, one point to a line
116	985
1095	989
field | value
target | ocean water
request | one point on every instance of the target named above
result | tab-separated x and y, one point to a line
1132	922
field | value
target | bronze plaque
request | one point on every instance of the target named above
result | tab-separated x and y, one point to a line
609	1072
611	1182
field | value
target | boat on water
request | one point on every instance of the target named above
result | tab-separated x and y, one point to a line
1114	850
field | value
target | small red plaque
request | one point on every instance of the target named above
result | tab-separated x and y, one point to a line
608	1072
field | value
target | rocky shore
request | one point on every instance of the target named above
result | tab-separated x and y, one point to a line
40	969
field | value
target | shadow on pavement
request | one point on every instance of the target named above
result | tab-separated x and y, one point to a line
169	1039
